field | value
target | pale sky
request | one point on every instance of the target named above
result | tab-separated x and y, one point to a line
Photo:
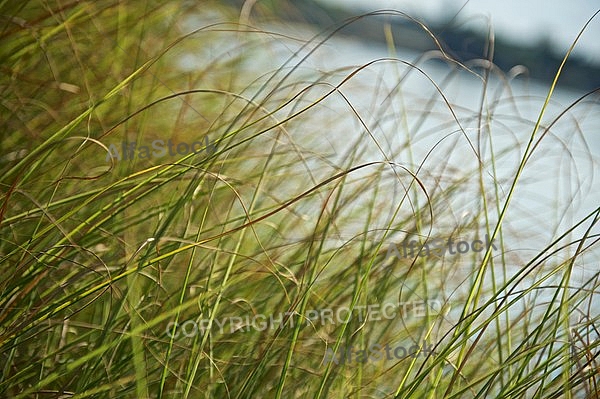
515	20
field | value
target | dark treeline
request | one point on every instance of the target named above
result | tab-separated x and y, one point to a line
540	59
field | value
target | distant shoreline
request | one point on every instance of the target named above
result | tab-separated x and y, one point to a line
540	59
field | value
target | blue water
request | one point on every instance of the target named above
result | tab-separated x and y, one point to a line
401	98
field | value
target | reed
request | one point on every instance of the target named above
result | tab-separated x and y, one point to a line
313	175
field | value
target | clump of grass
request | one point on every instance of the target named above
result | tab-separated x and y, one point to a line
315	174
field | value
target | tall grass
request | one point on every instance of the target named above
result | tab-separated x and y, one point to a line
317	171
